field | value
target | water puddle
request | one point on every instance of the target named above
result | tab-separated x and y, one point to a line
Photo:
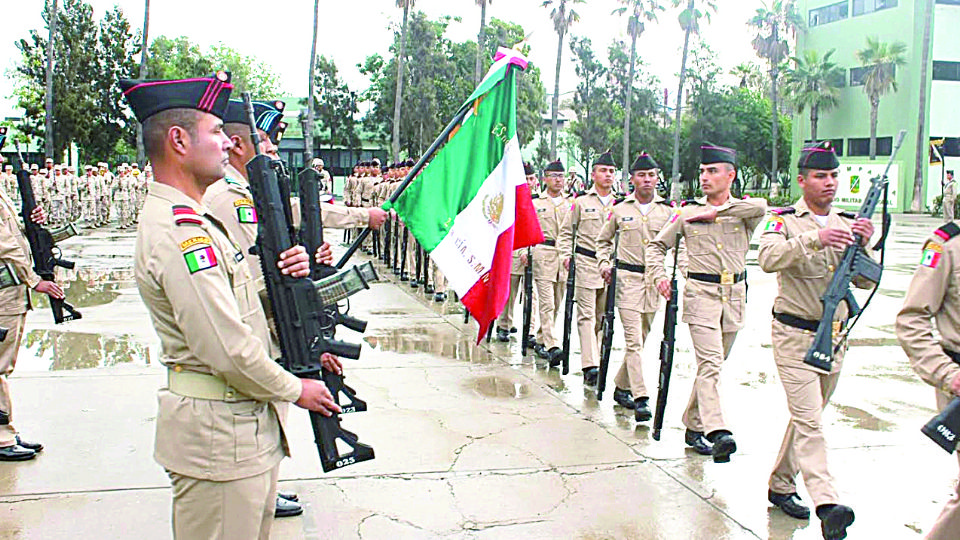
498	387
862	419
436	340
54	350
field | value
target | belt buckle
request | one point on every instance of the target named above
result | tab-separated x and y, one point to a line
837	327
726	278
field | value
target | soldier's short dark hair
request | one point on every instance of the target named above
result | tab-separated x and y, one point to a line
155	128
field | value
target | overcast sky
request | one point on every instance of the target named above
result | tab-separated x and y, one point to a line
353	29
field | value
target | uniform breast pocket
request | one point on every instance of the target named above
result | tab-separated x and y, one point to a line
590	224
630	235
698	241
734	235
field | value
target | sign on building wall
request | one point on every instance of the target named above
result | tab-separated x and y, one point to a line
854	184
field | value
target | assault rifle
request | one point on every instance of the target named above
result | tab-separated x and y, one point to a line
667	346
568	302
855	263
608	319
43	247
527	303
297	305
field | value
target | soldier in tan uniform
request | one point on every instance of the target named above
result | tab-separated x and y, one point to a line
639	218
549	276
716	229
16	279
949	200
803	244
933	302
367	188
219	435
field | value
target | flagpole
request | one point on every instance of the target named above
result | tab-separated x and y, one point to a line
409	178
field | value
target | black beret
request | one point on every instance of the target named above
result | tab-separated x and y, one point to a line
555	166
266	113
711	153
409	163
644	163
207	94
819	156
605	159
527	169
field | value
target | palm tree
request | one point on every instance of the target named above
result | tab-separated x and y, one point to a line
639	10
750	76
563	17
880	77
406	5
773	25
920	160
48	136
143	74
308	127
690	23
811	83
481	39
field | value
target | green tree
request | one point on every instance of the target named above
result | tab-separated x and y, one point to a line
398	99
563	17
811	83
594	128
174	58
336	105
531	94
639	11
880	77
774	24
751	77
117	49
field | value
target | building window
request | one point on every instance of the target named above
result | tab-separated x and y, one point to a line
837	145
862	7
861	147
946	71
858	74
829	14
839	80
949	2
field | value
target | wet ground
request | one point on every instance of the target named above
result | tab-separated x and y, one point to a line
472	442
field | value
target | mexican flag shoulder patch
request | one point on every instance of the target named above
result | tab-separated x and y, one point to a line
774	224
246	213
200	259
932	252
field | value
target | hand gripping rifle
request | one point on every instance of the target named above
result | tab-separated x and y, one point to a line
855	263
608	319
297	305
43	246
667	346
568	302
527	303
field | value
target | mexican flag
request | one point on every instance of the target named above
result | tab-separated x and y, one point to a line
470	207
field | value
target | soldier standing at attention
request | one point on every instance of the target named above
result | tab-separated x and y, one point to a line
804	244
589	212
219	435
639	218
949	197
716	229
933	301
549	276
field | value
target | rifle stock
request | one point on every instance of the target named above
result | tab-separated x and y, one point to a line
568	302
608	319
667	345
527	303
944	428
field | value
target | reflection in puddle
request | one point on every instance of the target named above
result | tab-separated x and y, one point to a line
88	287
56	351
498	387
862	419
432	340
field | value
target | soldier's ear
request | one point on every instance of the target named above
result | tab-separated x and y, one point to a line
178	139
238	145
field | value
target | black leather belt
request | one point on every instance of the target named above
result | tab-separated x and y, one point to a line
955	356
638	268
551	243
714	278
365	200
587	252
803	324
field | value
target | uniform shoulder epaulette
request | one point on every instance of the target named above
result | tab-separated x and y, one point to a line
665	202
948	231
848	215
617	201
581	193
231	181
183	215
534	195
690	201
786	210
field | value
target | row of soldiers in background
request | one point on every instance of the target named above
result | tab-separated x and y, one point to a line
371	185
90	198
597	229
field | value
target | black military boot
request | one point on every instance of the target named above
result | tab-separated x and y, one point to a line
556	356
428	289
641	411
698	442
834	520
439	297
287	508
623	398
16	453
723	445
541	351
35	446
790	503
503	334
590	376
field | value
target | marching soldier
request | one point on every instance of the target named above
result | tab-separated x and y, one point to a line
549	276
639	218
716	229
58	196
223	386
589	212
803	244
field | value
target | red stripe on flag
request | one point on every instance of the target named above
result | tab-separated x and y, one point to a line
488	296
526	226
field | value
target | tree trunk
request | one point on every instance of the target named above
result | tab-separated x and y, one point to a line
481	39
143	75
775	125
628	106
874	107
923	140
48	135
675	172
814	119
555	125
399	95
308	132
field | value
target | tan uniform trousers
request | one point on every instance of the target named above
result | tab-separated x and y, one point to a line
506	318
636	326
237	509
8	360
590	302
947	526
711	346
948	208
439	280
804	448
550	297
